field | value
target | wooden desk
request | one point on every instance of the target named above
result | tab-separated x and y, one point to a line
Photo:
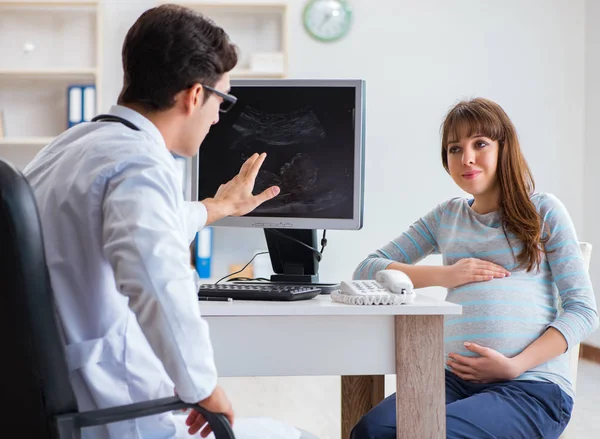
320	337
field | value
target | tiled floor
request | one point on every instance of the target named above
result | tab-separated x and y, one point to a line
584	424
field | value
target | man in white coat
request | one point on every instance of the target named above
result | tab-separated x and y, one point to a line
117	229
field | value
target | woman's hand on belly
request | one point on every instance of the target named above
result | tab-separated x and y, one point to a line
468	270
490	366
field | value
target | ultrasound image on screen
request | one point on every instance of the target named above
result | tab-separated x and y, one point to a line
308	135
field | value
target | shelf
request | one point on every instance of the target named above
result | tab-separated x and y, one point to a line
28	3
224	4
48	73
247	73
25	141
48	45
256	28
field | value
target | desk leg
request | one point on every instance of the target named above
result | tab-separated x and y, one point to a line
420	379
360	393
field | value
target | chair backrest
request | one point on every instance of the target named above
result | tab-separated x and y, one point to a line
586	250
35	382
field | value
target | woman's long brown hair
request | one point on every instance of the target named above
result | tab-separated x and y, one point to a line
483	117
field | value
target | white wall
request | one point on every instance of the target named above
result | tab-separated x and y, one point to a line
591	232
419	58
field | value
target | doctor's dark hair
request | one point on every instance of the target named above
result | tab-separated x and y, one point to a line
483	117
169	49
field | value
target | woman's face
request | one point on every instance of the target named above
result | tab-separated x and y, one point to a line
472	162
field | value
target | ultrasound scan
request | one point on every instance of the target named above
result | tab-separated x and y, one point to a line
308	136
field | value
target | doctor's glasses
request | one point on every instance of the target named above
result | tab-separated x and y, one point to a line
228	100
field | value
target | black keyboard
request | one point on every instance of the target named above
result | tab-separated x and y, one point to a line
259	292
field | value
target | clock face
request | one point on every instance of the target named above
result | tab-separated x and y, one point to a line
327	20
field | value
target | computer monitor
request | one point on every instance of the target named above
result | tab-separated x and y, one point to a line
313	133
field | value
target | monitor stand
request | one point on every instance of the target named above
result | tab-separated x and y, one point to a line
294	257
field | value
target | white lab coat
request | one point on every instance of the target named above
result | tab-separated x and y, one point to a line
116	232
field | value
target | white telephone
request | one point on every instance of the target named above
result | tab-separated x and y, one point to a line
390	287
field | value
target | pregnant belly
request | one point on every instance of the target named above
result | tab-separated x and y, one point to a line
507	335
505	316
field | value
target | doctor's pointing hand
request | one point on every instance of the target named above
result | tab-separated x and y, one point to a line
235	197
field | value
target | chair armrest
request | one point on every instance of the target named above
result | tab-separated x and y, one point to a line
218	422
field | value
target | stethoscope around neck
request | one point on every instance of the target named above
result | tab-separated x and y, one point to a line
113	118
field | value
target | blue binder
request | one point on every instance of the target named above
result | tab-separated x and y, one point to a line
81	104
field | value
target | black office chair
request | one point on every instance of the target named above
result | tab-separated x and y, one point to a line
36	395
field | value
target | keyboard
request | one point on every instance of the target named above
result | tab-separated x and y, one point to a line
259	292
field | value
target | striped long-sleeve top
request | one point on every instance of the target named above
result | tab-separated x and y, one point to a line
505	314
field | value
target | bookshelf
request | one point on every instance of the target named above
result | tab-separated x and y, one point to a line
49	73
25	141
259	30
48	46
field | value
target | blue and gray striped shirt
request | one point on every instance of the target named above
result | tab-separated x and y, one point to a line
505	314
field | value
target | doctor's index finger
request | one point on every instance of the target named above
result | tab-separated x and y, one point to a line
247	165
255	167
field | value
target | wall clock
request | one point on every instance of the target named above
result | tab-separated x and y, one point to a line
327	20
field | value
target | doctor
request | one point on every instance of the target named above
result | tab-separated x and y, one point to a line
117	230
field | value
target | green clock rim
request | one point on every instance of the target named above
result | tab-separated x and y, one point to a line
345	30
